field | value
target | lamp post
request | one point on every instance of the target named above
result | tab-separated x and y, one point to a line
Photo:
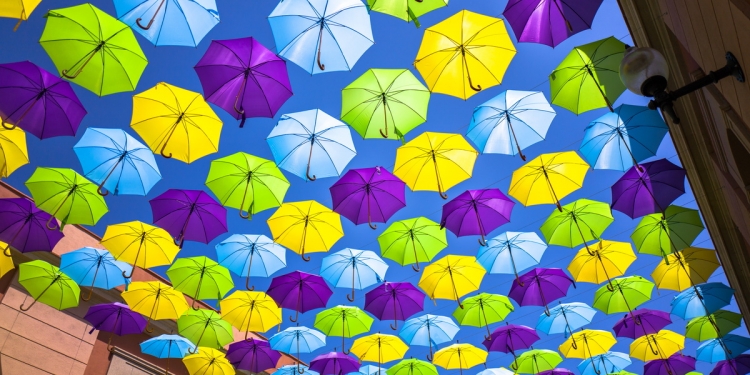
644	71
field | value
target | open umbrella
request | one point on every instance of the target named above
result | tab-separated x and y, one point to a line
587	343
412	366
407	10
683	269
299	291
459	356
511	338
356	268
167	346
452	277
676	364
482	310
548	178
511	252
641	322
13	152
208	361
428	330
250	311
578	223
477	212
254	355
540	286
606	363
660	345
412	241
601	262
741	365
48	285
549	22
372	370
662	234
557	371
115	318
379	348
648	188
251	254
565	318
22	227
139	244
723	348
155	300
713	325
293	370
201	278
305	227
497	371
94	268
344	321
624	295
6	263
368	195
702	299
396	301
205	328
189	215
536	361
20	9
298	340
169	22
334	363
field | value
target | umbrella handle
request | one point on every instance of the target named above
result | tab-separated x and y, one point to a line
66	75
488	337
350	298
546	311
149	329
309	158
415	268
242	204
482	241
91	292
5	125
49	223
610	287
150	22
193	305
296	317
27	308
247	284
320	43
575	346
443	195
394	327
373	226
7	252
305	258
110	347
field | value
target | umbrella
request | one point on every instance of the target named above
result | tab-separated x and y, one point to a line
13	152
396	301
293	370
482	310
205	328
608	363
300	292
305	227
20	9
459	356
344	321
464	53
578	223
189	215
39	103
511	338
587	343
502	371
22	227
244	78
6	264
548	178
67	196
602	261
379	348
427	330
588	78
254	355
139	244
412	366
200	277
372	370
540	286
90	47
626	293
298	340
535	361
556	371
246	254
395	92
155	300
464	275
662	234
208	361
739	365
702	299
677	364
648	189
477	212
95	268
511	252
510	122
723	348
250	311
358	268
451	158
334	363
549	22
176	122
48	285
368	195
412	241
683	269
660	345
565	318
328	36
407	10
712	326
167	346
641	322
115	318
169	22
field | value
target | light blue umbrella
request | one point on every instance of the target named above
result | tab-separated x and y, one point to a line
117	162
496	371
510	122
429	330
292	370
321	35
357	269
168	346
511	252
620	139
606	363
298	340
565	318
169	22
372	370
727	347
701	300
311	144
251	254
96	268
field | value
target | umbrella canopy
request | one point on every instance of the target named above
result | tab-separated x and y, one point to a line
464	275
94	268
293	370
372	370
379	348
723	348
701	300
641	322
648	188
496	371
662	234
45	283
601	262
459	356
356	268
712	326
167	346
683	269
624	295
407	10
334	363
305	227
540	286
208	361
477	212
412	366
368	195
412	241
427	330
607	363
536	361
298	340
565	318
741	365
549	22
251	254
22	227
205	328
300	292
548	178
578	223
200	277
344	321
254	355
189	215
20	9
250	311
155	301
677	364
511	252
169	22
115	318
13	152
511	338
482	310
396	301
657	346
557	371
587	343
140	244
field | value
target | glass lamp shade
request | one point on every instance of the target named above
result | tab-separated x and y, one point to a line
644	71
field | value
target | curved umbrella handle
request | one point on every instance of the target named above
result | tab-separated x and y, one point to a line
110	347
50	221
5	125
149	329
65	74
546	311
247	284
193	305
482	241
7	252
350	298
27	308
91	292
320	43
443	195
416	269
102	191
305	258
610	287
429	357
394	326
296	317
488	337
575	346
162	151
385	135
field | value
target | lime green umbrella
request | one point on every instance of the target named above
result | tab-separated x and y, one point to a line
589	77
482	310
407	10
93	49
200	278
412	241
205	328
535	361
578	223
713	326
66	195
48	285
385	103
247	183
412	367
344	321
662	234
623	294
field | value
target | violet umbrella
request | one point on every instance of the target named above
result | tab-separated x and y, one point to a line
556	371
37	101
244	78
189	215
396	301
677	364
23	226
334	363
477	212
641	322
648	188
510	338
549	21
254	355
368	195
740	365
540	286
299	291
115	318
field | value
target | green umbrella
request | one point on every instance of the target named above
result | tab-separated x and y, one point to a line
482	310
535	361
589	77
578	223
623	295
344	321
407	10
662	235
200	278
66	195
713	326
48	285
205	328
247	183
93	49
412	367
412	241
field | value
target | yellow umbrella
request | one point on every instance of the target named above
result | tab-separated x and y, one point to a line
208	361
155	300
6	263
176	122
587	343
459	356
464	54
601	262
452	277
13	152
250	311
660	345
683	269
548	178
305	227
140	244
435	162
379	348
20	9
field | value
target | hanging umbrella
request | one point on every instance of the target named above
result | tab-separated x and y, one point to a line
701	300
356	268
683	269
588	78
94	268
540	286
45	283
601	262
459	356
511	252
477	212
549	22
501	371
205	328
723	348
412	366
407	10
344	321
299	291
189	215
251	254
334	363
606	363
641	322
677	364
536	361
548	178
328	36
20	9
464	275
648	190
396	301
626	294
657	346
293	370
6	264
557	371
427	330
200	278
465	53
169	22
662	234
244	78
368	195
587	343
379	348
510	122
578	223
250	311
565	318
511	338
93	49
712	326
155	301
22	227
39	103
208	361
167	346
254	355
372	370
412	241
139	244
482	310
740	365
305	227
115	318
298	340
13	152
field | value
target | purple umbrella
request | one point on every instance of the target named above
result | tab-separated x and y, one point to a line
334	363
641	322
540	286
23	226
299	291
368	195
677	364
737	366
648	188
476	212
511	337
189	215
244	78
38	101
115	318
556	371
254	355
396	301
549	21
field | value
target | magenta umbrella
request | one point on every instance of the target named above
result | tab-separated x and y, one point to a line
368	195
540	286
549	21
641	322
477	212
189	215
677	364
510	338
556	371
299	291
648	188
115	318
334	363
23	227
397	301
254	355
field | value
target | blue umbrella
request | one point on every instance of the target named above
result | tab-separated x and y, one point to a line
727	347
311	144
511	252
372	370
293	370
510	122
620	139
299	340
168	346
496	371
606	363
356	268
251	254
701	300
117	162
429	330
325	35
95	268
169	22
565	318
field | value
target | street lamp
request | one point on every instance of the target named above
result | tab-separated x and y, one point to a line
644	71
